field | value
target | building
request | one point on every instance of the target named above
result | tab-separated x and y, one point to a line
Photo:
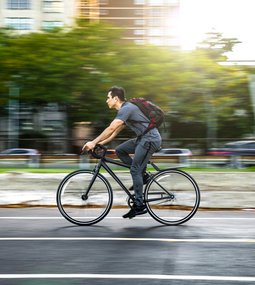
35	15
88	9
48	124
21	120
143	21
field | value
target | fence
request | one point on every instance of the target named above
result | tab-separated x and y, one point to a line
54	157
83	161
198	146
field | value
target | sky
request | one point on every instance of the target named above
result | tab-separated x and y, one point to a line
232	18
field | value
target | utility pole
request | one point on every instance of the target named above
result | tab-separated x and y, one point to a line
252	94
13	116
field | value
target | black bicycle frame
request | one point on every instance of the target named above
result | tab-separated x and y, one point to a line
103	164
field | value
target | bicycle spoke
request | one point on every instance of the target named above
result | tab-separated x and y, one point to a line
172	197
84	199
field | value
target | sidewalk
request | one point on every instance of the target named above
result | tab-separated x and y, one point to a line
218	190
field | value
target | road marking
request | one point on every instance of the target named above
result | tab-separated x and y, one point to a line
128	276
202	240
58	218
113	218
30	218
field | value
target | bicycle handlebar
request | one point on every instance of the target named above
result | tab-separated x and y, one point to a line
99	151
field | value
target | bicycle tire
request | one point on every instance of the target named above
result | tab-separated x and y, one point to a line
81	210
172	197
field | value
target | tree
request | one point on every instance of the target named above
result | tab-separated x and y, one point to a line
210	94
75	67
63	66
217	46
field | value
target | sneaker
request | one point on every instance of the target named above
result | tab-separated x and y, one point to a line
135	211
146	178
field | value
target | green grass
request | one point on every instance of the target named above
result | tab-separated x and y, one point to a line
222	169
38	170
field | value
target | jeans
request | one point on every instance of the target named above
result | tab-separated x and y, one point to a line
142	150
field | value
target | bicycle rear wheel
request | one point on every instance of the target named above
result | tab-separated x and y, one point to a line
82	206
172	197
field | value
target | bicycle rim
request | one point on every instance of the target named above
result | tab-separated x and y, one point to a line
79	208
172	197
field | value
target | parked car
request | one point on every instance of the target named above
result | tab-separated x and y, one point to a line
175	155
241	148
20	156
168	152
19	151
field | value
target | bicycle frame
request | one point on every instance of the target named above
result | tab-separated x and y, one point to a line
103	164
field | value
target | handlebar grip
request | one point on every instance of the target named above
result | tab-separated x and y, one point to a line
99	151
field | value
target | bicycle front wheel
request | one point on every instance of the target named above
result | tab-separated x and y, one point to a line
172	197
83	198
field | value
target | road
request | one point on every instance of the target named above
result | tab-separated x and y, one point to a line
38	246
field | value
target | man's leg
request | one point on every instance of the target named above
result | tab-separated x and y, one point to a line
124	150
143	153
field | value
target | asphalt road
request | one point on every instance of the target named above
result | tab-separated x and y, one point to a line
38	246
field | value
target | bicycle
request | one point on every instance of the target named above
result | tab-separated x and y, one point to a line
85	197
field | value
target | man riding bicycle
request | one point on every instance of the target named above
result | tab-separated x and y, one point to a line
143	146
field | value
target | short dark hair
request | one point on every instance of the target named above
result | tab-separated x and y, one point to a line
119	92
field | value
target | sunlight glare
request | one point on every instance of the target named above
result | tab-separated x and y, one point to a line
231	18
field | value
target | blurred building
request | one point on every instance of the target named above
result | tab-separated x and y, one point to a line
143	21
24	124
34	15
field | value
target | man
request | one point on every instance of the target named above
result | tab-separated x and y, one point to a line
143	146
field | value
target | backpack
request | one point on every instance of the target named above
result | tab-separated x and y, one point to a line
153	112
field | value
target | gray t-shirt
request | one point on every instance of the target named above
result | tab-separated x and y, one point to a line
136	120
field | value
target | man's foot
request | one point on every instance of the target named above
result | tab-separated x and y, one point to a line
146	178
135	211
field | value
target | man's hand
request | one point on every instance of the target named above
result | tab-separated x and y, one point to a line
88	146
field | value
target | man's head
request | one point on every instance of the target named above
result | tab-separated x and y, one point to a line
115	97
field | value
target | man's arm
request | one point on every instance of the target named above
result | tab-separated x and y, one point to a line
107	135
114	134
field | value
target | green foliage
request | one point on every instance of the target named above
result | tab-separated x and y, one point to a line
64	66
75	67
216	45
211	94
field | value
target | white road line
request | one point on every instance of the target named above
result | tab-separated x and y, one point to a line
222	218
128	276
201	240
113	218
31	218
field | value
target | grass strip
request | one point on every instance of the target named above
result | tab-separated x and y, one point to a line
68	170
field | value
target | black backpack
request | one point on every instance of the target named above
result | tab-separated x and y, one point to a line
153	112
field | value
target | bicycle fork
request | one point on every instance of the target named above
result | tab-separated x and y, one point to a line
84	196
